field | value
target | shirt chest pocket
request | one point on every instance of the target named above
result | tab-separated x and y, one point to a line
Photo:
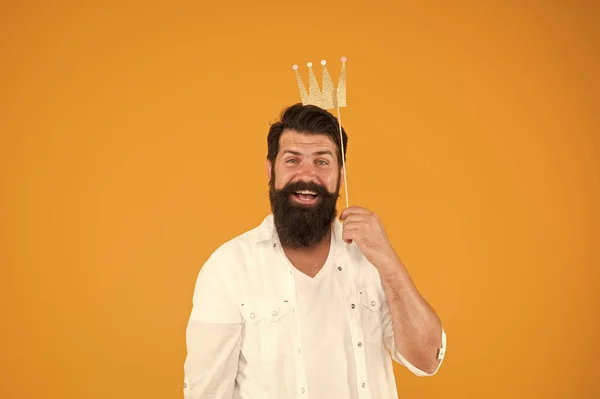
371	307
267	333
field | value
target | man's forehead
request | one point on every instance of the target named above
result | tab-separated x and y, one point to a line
290	138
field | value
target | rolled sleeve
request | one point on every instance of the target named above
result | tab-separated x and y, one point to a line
397	356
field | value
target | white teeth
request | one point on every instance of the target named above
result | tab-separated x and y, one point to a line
306	192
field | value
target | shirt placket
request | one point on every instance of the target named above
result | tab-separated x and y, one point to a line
353	310
301	388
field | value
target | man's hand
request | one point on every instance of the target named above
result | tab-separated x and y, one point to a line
366	230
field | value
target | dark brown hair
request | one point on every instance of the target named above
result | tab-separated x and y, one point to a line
306	119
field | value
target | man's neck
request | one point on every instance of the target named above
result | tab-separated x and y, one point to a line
309	260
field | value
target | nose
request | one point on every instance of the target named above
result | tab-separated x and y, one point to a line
307	173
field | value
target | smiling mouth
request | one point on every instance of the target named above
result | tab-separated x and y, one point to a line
306	196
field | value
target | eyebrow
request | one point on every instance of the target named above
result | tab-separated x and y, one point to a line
324	152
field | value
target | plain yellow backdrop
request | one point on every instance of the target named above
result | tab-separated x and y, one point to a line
133	140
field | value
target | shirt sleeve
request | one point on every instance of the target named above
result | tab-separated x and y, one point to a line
390	343
213	333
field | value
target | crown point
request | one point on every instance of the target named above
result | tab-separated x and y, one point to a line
295	67
323	62
344	59
309	65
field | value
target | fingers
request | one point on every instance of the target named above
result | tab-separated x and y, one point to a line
356	217
348	235
353	210
352	225
350	231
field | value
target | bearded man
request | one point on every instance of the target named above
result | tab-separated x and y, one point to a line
305	305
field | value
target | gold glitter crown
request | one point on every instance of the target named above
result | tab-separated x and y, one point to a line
330	97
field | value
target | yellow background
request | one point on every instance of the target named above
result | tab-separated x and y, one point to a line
133	139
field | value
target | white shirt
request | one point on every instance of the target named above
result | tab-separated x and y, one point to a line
260	329
326	338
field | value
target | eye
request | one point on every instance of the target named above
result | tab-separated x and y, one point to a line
322	162
291	160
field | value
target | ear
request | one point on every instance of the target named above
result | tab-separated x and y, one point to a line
342	175
269	168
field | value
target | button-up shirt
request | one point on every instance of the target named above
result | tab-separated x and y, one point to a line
260	329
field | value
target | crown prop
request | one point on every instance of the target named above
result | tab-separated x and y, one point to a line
329	98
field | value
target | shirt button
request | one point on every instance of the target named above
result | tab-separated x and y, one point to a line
364	385
252	315
359	344
274	313
373	303
353	306
302	390
339	268
298	350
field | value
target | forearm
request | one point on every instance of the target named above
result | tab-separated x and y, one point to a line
417	328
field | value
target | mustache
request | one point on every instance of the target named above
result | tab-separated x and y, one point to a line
291	188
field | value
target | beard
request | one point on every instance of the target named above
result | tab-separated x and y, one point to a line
298	225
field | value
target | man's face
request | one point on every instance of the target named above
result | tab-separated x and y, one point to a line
304	186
